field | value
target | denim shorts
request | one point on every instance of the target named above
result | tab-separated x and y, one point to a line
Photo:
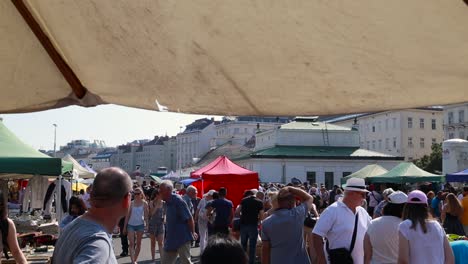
137	228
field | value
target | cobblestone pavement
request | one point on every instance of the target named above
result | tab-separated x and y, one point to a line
145	254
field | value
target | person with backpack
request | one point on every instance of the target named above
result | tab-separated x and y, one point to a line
374	199
8	231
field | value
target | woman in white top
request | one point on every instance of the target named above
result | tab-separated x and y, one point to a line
135	223
381	240
421	239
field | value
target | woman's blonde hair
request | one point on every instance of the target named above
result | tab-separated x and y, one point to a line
453	205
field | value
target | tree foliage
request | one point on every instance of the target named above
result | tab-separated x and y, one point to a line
431	163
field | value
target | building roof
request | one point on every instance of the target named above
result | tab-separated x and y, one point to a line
228	149
157	141
318	152
306	125
198	125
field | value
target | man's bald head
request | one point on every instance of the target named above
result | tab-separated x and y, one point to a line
109	187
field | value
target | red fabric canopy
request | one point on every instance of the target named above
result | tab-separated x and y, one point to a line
224	173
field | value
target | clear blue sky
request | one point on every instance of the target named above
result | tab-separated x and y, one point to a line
114	124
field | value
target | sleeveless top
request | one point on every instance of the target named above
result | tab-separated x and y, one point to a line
136	217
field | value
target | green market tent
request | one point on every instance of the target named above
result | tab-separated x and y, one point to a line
406	172
371	170
18	160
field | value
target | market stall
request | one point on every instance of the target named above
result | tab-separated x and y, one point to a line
365	173
406	172
461	176
20	161
222	172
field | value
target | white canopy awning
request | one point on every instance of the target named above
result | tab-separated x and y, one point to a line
242	57
78	170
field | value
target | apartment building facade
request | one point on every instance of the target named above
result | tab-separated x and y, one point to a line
408	133
456	121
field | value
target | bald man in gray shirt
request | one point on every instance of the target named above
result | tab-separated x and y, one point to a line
88	238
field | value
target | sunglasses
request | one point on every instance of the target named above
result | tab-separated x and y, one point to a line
137	193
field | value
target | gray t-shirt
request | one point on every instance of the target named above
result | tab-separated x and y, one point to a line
284	230
84	241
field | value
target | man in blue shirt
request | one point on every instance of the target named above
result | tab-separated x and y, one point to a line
180	227
436	204
223	209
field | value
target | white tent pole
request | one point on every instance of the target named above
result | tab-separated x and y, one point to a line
58	203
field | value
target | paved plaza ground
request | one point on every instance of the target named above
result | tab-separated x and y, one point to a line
145	254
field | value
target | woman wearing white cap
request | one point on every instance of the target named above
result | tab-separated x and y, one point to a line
202	219
421	239
381	240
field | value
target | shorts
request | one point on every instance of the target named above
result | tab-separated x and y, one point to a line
138	228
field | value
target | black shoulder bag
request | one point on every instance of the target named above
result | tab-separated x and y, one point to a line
343	255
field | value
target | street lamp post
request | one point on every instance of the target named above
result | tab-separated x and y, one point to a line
55	137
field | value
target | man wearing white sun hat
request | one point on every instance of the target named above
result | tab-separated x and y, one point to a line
343	224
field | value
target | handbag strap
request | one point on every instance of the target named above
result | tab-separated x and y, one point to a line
353	240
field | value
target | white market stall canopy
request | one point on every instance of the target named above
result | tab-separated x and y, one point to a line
242	57
78	170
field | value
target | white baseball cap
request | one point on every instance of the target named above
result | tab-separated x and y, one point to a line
397	197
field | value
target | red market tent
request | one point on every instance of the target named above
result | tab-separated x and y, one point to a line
224	173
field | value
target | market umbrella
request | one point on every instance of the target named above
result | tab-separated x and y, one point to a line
233	57
366	172
79	186
406	172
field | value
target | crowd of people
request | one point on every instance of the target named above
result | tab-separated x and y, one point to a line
276	223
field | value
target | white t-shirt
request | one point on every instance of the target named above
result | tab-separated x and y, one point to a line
383	234
336	224
424	248
86	197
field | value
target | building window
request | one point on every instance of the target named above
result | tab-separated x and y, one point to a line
434	141
236	130
394	142
368	144
410	122
386	124
421	123
461	134
245	130
451	135
394	123
387	143
410	142
461	118
379	126
410	158
433	122
346	173
373	127
311	177
421	142
373	144
329	180
380	144
450	117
